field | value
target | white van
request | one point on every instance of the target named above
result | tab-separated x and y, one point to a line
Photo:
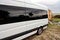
19	20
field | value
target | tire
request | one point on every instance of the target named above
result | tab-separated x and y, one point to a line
39	31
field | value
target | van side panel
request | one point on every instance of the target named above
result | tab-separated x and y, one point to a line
18	27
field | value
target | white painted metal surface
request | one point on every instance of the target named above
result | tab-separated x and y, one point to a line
15	28
22	4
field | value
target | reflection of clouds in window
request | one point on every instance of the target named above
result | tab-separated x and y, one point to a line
16	13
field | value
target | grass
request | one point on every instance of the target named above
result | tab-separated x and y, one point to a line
56	19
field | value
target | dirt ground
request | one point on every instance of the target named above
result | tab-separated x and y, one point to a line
51	33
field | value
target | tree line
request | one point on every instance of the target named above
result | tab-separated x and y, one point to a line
57	16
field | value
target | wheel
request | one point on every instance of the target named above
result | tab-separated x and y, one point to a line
39	31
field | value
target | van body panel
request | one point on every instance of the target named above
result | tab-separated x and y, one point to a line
18	4
12	30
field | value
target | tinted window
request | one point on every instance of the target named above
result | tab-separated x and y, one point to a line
22	15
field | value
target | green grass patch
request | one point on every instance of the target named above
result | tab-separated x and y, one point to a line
56	19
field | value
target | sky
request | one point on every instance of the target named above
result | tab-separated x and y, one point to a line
53	5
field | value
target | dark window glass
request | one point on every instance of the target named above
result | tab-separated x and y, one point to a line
22	15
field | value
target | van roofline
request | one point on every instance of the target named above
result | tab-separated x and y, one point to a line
21	4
